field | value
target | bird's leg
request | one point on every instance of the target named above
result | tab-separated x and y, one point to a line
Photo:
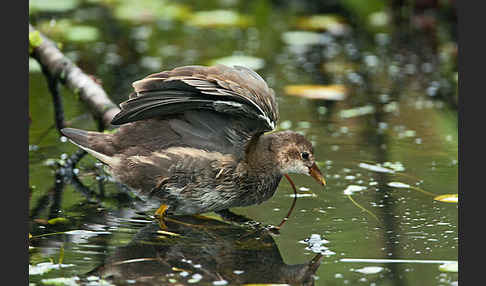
160	212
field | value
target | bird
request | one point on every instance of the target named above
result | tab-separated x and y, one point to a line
198	139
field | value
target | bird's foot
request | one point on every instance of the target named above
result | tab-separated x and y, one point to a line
160	214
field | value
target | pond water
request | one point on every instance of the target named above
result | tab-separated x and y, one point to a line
386	140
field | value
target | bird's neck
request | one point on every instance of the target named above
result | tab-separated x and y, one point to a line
260	157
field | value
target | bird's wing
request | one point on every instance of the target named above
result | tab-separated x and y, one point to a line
205	107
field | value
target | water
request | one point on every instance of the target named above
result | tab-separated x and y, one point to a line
398	124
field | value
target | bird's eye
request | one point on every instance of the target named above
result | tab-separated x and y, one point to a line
305	155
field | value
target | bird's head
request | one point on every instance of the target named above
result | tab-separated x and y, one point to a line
294	154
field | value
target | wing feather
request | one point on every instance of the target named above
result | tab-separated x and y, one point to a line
191	93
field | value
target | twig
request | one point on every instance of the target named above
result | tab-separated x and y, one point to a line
53	84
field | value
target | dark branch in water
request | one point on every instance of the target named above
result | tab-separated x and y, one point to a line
53	84
57	67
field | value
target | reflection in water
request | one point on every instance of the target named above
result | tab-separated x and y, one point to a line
197	250
384	195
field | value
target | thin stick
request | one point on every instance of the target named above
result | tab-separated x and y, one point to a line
293	203
362	208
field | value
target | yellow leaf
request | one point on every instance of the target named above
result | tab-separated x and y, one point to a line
448	198
327	92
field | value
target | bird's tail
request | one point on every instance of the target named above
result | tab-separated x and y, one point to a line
96	143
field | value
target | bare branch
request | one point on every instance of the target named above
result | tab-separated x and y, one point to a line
60	67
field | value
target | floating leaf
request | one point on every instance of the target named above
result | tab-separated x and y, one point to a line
332	23
149	11
219	19
301	38
327	92
448	198
240	60
82	33
52	5
58	220
66	30
449	267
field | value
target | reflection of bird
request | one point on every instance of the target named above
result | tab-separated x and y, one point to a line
212	251
193	140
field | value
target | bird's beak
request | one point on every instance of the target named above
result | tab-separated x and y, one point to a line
316	174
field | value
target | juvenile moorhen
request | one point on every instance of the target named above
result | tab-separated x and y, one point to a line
193	140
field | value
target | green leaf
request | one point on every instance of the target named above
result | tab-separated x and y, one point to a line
218	19
52	5
58	220
35	40
82	34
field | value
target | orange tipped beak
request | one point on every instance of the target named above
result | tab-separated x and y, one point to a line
315	173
